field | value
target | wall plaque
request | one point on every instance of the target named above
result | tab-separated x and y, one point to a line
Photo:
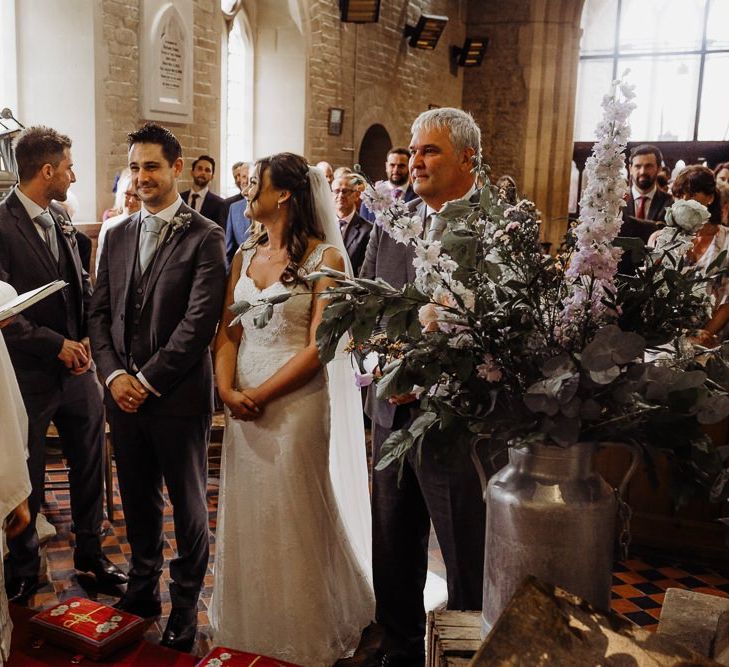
165	65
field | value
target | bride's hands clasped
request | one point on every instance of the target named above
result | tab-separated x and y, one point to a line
243	404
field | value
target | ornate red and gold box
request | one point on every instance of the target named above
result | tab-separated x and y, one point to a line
227	657
87	627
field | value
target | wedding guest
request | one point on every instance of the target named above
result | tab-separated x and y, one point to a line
199	197
291	568
723	191
14	479
151	327
51	355
237	225
507	188
398	179
130	204
327	170
646	204
240	176
696	183
721	173
445	149
355	230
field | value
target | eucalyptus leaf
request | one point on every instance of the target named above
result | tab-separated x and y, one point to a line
394	448
458	208
264	317
713	410
391	383
239	307
279	298
606	376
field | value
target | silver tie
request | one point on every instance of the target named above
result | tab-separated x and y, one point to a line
436	229
151	228
45	220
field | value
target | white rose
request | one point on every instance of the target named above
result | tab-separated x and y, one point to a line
687	214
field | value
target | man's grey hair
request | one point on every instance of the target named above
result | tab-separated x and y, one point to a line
463	130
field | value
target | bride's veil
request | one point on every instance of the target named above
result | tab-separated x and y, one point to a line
347	455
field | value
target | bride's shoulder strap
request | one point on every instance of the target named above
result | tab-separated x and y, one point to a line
316	255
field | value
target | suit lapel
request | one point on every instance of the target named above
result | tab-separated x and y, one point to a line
27	229
656	205
129	242
64	246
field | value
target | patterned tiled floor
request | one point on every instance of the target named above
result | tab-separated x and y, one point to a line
638	586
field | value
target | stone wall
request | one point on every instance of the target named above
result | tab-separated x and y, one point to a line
370	71
524	97
118	89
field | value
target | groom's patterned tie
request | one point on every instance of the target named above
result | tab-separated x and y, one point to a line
151	228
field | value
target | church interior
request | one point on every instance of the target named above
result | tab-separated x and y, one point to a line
341	81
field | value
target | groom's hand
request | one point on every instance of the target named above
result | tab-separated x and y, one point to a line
128	392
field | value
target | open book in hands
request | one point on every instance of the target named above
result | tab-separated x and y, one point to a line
12	303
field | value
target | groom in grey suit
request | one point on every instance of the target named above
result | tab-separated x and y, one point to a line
158	298
445	146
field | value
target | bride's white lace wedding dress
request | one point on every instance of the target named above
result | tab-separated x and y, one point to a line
287	582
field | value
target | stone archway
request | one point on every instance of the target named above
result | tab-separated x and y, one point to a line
373	151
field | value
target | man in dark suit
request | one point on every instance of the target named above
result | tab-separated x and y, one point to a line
398	179
51	355
159	295
199	198
646	204
355	230
444	148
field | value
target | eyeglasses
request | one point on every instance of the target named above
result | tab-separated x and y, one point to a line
131	195
343	191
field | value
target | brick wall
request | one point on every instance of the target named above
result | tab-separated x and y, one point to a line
496	92
524	97
118	89
370	71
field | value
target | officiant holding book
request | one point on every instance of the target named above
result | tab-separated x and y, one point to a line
50	353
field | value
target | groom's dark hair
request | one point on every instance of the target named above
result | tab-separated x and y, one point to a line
151	133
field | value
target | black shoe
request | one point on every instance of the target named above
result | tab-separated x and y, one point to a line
181	629
102	568
143	608
397	659
20	589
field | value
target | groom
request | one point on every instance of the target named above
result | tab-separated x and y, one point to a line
158	298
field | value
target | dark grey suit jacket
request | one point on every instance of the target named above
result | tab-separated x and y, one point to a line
393	262
36	336
356	240
179	314
213	207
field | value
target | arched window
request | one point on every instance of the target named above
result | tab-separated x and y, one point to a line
237	98
678	55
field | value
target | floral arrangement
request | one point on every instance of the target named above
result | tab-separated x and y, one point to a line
493	337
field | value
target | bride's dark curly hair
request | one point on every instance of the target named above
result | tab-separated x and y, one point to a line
288	171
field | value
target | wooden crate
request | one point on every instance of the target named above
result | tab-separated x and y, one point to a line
452	637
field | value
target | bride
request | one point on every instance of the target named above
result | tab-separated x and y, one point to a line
292	564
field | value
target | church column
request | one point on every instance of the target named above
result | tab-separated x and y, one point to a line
525	98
